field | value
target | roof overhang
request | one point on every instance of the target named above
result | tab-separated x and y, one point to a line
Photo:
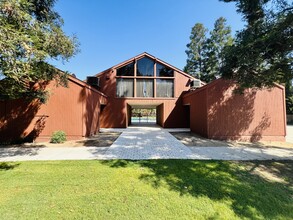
145	54
144	105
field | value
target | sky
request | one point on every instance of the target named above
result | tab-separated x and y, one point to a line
112	31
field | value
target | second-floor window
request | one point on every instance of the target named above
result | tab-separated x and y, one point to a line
152	79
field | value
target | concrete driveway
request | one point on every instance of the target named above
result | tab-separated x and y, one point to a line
137	143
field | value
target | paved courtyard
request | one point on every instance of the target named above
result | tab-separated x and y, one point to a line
147	143
136	143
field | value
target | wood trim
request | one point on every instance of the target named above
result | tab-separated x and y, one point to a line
134	80
85	85
129	77
155	68
284	111
207	119
145	77
145	98
145	54
155	88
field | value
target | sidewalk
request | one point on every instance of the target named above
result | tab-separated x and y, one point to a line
137	143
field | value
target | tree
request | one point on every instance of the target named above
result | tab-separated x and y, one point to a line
220	37
31	34
262	52
195	50
205	54
289	97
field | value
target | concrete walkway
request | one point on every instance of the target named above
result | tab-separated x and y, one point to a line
137	143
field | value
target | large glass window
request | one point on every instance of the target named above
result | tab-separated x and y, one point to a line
145	88
164	71
145	67
127	70
165	87
124	87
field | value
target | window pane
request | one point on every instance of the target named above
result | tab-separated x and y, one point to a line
124	87
145	88
164	71
165	88
145	67
127	70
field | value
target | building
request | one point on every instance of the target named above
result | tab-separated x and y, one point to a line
74	109
110	98
217	112
144	82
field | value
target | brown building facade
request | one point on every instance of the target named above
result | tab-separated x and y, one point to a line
146	82
217	112
74	110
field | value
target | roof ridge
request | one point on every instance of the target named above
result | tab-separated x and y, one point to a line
148	55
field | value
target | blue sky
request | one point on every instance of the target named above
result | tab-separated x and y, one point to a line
111	31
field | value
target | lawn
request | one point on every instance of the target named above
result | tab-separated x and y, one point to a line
151	189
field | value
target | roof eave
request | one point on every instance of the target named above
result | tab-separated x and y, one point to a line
145	54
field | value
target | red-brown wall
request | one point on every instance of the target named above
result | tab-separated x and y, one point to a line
197	102
74	110
171	111
217	112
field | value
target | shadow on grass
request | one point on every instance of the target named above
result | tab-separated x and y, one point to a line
248	195
280	169
8	166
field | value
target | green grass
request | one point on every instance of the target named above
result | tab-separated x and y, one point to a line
152	189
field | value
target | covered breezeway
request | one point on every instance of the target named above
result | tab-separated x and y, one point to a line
144	114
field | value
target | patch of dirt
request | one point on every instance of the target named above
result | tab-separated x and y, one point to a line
274	171
99	140
193	140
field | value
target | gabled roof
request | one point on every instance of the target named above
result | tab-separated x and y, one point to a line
145	54
215	82
84	84
79	82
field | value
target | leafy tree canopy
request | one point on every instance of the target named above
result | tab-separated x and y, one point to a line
195	50
262	52
205	53
31	34
220	37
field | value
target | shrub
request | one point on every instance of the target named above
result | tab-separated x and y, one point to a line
58	137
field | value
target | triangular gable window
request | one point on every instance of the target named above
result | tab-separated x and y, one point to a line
164	71
145	67
127	70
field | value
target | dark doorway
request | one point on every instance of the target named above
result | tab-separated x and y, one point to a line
187	110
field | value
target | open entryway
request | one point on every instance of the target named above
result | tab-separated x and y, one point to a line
144	115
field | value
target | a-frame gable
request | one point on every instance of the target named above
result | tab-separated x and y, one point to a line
142	55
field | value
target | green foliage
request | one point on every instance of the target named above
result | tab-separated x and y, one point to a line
262	53
205	53
220	37
58	137
143	112
289	97
195	50
31	34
